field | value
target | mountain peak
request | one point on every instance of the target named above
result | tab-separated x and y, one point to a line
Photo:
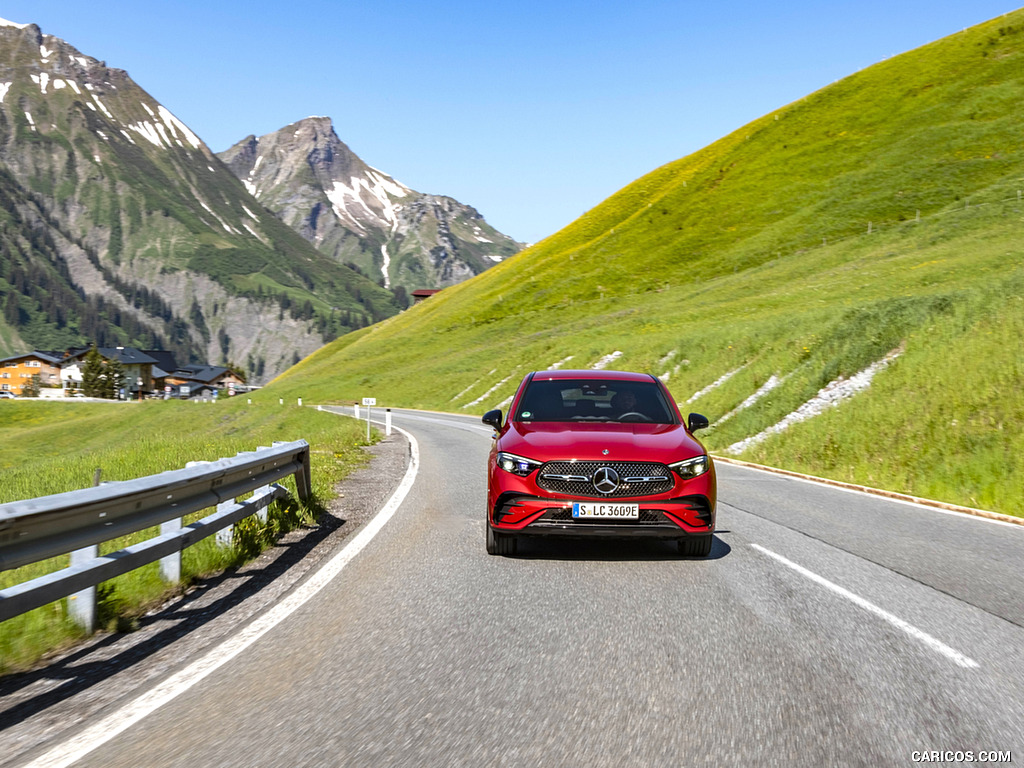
358	214
16	25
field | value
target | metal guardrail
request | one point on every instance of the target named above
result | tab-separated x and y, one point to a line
77	521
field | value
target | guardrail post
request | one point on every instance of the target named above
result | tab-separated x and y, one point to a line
82	605
304	479
170	566
264	511
226	536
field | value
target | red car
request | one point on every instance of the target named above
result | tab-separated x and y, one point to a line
598	453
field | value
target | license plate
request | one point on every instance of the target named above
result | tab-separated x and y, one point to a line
605	511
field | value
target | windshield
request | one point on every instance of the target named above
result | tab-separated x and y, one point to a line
594	400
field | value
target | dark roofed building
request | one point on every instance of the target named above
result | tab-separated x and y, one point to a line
422	294
212	375
136	365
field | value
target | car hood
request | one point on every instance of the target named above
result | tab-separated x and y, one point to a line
544	441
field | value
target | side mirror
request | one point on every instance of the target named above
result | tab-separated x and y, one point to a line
493	419
696	421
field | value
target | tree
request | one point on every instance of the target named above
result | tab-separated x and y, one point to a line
114	379
93	374
32	388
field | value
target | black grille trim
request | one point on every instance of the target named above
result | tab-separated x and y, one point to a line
563	515
636	479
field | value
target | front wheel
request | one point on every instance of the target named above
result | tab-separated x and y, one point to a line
499	543
695	546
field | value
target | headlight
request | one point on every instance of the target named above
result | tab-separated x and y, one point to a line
691	468
517	465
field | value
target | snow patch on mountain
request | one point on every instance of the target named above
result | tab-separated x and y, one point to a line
147	131
42	79
386	266
4	88
177	126
377	188
103	107
395	187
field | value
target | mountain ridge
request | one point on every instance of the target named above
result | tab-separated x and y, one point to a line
358	214
150	238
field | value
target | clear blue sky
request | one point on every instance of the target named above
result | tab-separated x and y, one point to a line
532	111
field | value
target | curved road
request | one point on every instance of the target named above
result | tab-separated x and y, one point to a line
827	628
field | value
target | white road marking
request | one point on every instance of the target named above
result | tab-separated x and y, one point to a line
124	718
936	645
474	427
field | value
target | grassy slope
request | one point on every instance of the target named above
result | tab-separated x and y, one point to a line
879	213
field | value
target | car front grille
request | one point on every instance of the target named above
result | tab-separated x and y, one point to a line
576	478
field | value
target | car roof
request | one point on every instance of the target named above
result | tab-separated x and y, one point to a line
560	375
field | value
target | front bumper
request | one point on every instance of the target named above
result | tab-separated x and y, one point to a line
659	518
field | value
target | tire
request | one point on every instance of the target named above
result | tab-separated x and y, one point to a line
499	543
695	546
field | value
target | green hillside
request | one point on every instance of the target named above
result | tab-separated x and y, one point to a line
879	216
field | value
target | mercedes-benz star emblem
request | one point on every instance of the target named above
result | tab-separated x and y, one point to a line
606	480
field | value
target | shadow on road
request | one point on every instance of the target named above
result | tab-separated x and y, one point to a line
612	550
25	694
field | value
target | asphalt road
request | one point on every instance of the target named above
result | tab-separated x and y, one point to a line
826	628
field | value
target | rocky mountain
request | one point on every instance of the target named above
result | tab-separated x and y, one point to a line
118	225
359	215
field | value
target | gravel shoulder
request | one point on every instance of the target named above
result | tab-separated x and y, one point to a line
44	704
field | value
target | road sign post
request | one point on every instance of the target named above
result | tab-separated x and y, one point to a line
369	402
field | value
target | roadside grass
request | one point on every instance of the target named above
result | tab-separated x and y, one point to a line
48	448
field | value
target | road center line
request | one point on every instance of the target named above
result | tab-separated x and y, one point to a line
936	645
124	718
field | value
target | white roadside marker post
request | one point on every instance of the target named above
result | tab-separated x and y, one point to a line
369	402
